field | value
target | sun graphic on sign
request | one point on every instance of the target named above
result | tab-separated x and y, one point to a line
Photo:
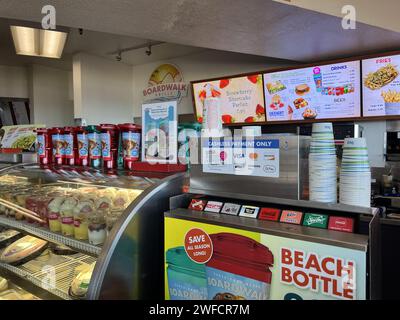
165	73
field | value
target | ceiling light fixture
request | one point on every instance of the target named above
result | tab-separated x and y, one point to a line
38	42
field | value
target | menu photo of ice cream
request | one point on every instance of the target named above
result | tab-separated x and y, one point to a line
320	92
241	100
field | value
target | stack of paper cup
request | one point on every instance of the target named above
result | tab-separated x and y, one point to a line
355	173
322	164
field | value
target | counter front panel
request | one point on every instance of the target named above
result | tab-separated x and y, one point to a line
212	257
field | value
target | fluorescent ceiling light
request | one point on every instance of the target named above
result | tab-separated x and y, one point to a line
38	42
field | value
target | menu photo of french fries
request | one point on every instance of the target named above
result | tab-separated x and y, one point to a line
391	96
392	102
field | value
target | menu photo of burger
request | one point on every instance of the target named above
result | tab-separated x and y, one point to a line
302	89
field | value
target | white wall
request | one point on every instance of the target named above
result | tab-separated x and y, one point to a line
102	90
203	65
49	94
14	82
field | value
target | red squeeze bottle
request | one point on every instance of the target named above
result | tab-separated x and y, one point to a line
57	141
131	135
70	146
109	145
83	147
43	146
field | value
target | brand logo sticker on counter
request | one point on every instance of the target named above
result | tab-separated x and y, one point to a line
213	206
293	217
341	224
197	204
316	220
231	208
270	214
249	212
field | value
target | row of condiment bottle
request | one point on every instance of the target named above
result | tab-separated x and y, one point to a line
95	146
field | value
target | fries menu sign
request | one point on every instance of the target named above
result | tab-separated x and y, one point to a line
381	86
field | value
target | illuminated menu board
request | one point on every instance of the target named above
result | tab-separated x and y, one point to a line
241	99
381	86
319	92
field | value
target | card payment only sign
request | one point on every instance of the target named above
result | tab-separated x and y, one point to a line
259	157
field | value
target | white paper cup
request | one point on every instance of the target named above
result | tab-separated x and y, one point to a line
325	127
355	143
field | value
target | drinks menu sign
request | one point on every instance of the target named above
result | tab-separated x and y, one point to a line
241	99
320	92
381	86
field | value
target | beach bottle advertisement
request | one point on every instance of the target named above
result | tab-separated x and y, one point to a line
210	262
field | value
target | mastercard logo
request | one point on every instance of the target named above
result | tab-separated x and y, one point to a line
253	156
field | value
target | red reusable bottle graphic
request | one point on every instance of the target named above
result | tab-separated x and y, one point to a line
239	269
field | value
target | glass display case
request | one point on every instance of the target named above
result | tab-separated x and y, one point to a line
73	233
